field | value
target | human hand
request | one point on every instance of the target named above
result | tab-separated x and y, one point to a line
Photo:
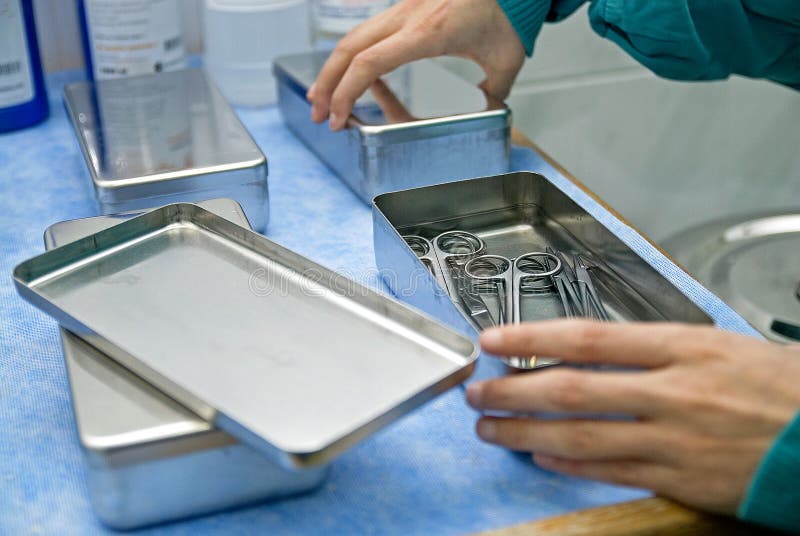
707	405
410	30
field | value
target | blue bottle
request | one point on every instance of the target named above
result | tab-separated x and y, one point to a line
23	97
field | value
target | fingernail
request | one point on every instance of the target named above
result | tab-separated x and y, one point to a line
491	337
474	394
543	460
314	113
310	92
486	429
334	122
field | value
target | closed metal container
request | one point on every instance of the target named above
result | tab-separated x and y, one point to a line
171	137
425	126
148	458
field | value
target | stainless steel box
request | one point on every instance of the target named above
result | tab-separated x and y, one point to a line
171	137
148	458
516	213
427	127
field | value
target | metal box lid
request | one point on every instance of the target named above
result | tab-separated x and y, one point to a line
153	135
423	100
288	356
116	411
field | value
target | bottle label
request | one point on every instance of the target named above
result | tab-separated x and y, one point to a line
341	16
16	82
132	37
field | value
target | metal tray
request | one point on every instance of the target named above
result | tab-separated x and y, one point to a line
517	213
284	354
141	447
436	128
750	261
166	138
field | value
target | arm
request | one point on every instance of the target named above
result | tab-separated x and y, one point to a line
527	16
702	40
773	498
685	39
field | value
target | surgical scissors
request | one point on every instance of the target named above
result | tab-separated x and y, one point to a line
423	249
445	258
527	274
461	265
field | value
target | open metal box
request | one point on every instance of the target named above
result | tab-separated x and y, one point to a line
425	126
513	214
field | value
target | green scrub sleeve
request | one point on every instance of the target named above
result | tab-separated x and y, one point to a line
527	16
685	39
773	498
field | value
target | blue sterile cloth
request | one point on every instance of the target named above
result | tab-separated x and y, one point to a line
426	473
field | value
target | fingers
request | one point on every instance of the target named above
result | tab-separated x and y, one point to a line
361	38
580	341
633	473
567	390
597	440
367	66
498	83
390	105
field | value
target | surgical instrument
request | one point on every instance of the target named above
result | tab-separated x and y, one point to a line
588	292
461	265
569	298
446	257
423	249
495	272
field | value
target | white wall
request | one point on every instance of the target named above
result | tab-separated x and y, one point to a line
667	155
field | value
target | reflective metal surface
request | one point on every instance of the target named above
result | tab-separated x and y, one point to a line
171	137
141	446
419	90
286	355
513	214
420	125
753	263
463	265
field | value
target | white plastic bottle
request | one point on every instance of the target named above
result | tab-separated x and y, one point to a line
131	37
334	18
242	37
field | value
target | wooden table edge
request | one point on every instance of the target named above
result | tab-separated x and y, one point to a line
651	516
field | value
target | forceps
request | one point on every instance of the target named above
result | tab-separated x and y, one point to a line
589	303
569	298
589	295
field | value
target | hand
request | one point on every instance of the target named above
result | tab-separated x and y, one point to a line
707	405
410	30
